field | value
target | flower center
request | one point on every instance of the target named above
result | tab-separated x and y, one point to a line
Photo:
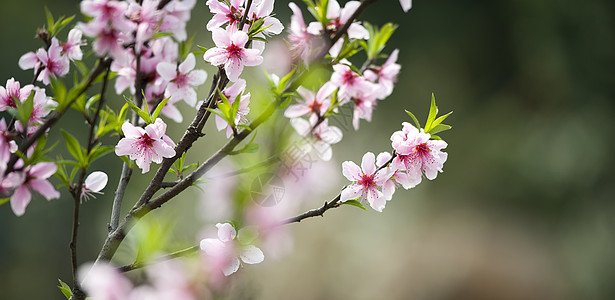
315	107
146	141
422	150
367	181
349	77
181	79
233	50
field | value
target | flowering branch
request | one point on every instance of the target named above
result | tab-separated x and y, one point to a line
103	64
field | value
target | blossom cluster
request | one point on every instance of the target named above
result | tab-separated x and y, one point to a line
415	155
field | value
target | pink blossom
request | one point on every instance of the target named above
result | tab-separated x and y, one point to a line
224	11
406	5
323	135
397	178
107	39
32	177
147	17
145	145
13	91
107	12
7	146
176	15
417	154
93	184
226	253
182	80
230	52
262	10
72	47
300	39
385	75
104	282
52	61
312	104
364	104
231	93
367	180
349	82
42	106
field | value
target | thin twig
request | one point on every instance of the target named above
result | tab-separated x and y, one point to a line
76	193
145	205
177	254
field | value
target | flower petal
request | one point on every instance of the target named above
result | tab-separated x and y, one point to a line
351	192
226	232
20	200
251	255
368	163
351	171
96	181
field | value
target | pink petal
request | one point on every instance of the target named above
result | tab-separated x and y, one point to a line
28	61
252	57
188	64
252	255
233	68
332	135
351	192
43	170
216	56
45	188
167	71
20	200
296	110
197	77
212	247
221	38
96	181
376	199
406	5
368	163
131	131
351	171
239	38
383	158
232	267
226	232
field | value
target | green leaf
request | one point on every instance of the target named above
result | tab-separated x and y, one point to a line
65	289
50	21
4	200
354	203
439	128
73	146
433	111
439	120
159	108
284	81
416	121
91	101
61	24
98	152
143	114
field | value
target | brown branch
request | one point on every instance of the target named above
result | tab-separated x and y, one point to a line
144	205
76	193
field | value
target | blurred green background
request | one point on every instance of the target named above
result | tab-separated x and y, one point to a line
521	212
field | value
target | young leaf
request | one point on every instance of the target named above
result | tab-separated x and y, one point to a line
143	114
439	128
65	289
354	203
433	111
159	108
73	146
4	200
416	121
